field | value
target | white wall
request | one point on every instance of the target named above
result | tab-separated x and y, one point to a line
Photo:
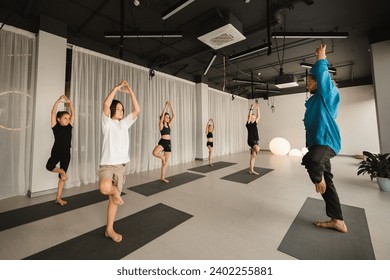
356	119
380	68
286	121
50	84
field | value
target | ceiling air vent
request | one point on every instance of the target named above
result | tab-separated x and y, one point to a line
222	37
220	32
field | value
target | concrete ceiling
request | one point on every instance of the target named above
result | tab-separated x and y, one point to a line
87	21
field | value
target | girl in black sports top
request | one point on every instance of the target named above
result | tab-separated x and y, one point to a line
164	145
61	123
209	134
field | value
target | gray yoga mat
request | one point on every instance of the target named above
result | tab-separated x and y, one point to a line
244	177
306	241
137	230
207	168
157	186
47	209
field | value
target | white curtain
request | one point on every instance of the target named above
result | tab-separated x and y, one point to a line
230	116
93	76
17	75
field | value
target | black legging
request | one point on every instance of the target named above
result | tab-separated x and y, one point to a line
58	157
317	163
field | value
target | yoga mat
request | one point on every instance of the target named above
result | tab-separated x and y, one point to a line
244	177
306	241
207	168
157	186
47	209
137	230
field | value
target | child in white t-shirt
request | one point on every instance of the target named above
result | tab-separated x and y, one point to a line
115	152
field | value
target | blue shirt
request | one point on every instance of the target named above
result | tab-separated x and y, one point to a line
321	110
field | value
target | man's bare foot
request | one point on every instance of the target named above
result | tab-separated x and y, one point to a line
334	224
60	201
321	186
211	164
252	172
114	236
164	180
116	198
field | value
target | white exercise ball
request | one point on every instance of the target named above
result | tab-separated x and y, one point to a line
295	152
279	146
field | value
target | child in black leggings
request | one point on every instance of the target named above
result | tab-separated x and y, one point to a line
61	123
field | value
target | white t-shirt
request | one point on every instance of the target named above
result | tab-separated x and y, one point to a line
115	148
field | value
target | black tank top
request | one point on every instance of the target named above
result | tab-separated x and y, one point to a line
253	133
165	130
209	135
62	137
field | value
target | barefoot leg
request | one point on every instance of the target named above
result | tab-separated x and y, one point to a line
338	225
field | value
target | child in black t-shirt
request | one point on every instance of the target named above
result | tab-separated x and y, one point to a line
61	123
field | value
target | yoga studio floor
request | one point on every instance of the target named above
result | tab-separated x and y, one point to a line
218	212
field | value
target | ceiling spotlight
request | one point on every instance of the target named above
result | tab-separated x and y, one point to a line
136	3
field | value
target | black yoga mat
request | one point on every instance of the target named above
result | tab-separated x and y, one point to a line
207	168
244	177
137	230
306	241
47	209
157	186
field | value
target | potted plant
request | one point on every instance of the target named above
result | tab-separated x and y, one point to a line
377	166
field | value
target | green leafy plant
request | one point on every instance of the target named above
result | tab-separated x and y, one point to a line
376	165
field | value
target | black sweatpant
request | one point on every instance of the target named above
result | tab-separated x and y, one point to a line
317	163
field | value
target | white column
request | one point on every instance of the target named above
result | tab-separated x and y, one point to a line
380	67
50	84
202	105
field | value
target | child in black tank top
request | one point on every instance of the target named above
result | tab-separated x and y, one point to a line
62	124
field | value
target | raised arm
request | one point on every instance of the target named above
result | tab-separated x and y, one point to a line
321	52
107	102
53	114
324	81
250	113
163	115
207	126
172	112
71	108
258	112
134	101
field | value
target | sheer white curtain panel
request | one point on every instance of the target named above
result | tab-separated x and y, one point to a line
17	76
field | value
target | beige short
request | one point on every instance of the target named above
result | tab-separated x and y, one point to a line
114	172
